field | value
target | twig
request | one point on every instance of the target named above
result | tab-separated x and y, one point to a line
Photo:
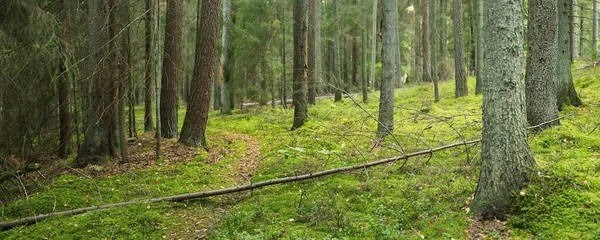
240	188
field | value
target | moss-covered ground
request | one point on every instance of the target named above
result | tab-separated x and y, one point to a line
423	197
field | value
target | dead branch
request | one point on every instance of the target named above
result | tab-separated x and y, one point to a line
31	220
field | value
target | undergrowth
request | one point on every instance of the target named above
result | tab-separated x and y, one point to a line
424	197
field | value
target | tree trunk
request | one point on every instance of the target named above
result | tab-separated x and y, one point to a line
416	44
566	94
126	49
364	83
318	51
149	66
459	67
64	148
581	33
336	56
283	58
97	142
540	75
426	43
480	48
433	39
299	95
169	100
193	132
594	27
227	60
373	44
443	32
389	30
575	32
505	168
312	51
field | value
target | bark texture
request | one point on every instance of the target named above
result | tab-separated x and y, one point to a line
227	60
299	95
426	43
480	48
506	161
149	66
460	77
336	56
389	31
193	132
540	75
565	90
169	101
97	142
312	51
433	49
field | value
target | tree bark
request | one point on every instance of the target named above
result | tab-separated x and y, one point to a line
389	30
169	100
312	51
336	55
480	48
541	74
149	66
505	168
416	44
566	94
64	148
459	67
97	142
364	82
426	43
373	44
299	95
575	31
193	132
283	57
433	39
227	60
594	27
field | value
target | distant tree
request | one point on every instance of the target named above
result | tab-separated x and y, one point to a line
480	48
426	43
433	49
575	31
460	78
299	95
373	44
227	60
390	45
312	51
416	44
364	81
594	25
99	138
149	66
506	162
193	132
337	78
566	94
541	74
283	57
169	100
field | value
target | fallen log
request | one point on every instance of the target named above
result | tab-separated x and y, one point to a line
30	220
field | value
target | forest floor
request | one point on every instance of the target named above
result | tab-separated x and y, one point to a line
424	197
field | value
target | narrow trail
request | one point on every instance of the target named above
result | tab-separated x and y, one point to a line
200	219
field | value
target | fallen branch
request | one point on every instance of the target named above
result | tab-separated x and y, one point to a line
29	168
30	220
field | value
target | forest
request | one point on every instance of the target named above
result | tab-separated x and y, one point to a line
299	119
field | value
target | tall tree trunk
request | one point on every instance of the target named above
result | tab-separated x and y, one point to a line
363	76
389	30
149	66
581	33
312	51
443	31
63	108
575	31
480	48
433	39
505	168
373	44
540	74
169	100
416	67
336	55
426	43
193	132
118	88
126	52
227	60
283	57
459	67
594	27
319	50
97	142
566	94
299	96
